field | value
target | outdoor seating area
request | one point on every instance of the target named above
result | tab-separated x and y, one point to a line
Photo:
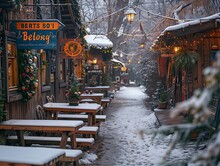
81	81
64	130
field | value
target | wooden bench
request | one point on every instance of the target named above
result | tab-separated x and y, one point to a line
72	155
99	118
83	130
88	130
105	102
44	140
87	101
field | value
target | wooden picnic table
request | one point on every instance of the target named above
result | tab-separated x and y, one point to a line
90	108
65	127
97	97
28	156
103	89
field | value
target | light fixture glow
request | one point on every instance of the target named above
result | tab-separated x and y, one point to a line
130	13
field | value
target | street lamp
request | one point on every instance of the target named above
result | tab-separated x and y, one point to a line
130	13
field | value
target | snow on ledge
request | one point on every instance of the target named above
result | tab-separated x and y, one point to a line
194	22
98	41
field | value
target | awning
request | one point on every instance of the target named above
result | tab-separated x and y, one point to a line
118	63
99	41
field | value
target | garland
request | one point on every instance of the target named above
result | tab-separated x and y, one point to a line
78	18
27	74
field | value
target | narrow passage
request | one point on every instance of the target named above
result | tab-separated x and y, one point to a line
120	143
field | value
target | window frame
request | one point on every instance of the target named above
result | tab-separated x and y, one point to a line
12	94
45	87
63	82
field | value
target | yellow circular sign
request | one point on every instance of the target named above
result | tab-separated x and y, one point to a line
123	69
73	48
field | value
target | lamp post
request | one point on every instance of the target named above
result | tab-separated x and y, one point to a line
130	13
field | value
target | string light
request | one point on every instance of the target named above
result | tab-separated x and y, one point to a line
148	16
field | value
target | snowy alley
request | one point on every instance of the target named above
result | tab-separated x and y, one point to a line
120	142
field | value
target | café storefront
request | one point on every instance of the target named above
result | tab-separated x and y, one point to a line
31	62
99	60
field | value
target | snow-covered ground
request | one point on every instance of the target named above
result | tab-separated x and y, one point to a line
120	142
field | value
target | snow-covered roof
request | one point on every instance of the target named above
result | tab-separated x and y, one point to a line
99	41
215	17
194	22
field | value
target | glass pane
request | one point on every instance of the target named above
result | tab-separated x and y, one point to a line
12	66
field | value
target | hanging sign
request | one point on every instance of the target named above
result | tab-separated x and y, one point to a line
37	34
73	48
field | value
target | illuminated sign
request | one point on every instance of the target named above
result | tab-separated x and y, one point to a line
72	48
37	34
123	68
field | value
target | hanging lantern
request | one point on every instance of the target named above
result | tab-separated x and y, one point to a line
130	13
142	45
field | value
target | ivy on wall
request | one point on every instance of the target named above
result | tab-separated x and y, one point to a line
27	74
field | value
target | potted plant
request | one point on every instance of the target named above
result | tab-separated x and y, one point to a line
163	100
73	94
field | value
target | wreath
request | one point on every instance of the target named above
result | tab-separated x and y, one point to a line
27	74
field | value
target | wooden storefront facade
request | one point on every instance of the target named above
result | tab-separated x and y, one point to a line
53	71
201	37
99	68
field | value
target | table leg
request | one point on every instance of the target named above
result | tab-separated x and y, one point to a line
63	141
73	141
91	119
20	135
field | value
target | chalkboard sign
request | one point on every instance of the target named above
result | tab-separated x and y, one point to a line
94	77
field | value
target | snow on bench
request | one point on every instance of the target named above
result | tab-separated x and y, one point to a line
105	102
72	155
90	130
81	142
87	101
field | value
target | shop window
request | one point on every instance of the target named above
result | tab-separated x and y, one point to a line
12	66
45	69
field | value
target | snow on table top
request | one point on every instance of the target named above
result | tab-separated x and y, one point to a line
90	106
98	41
49	123
28	155
93	94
